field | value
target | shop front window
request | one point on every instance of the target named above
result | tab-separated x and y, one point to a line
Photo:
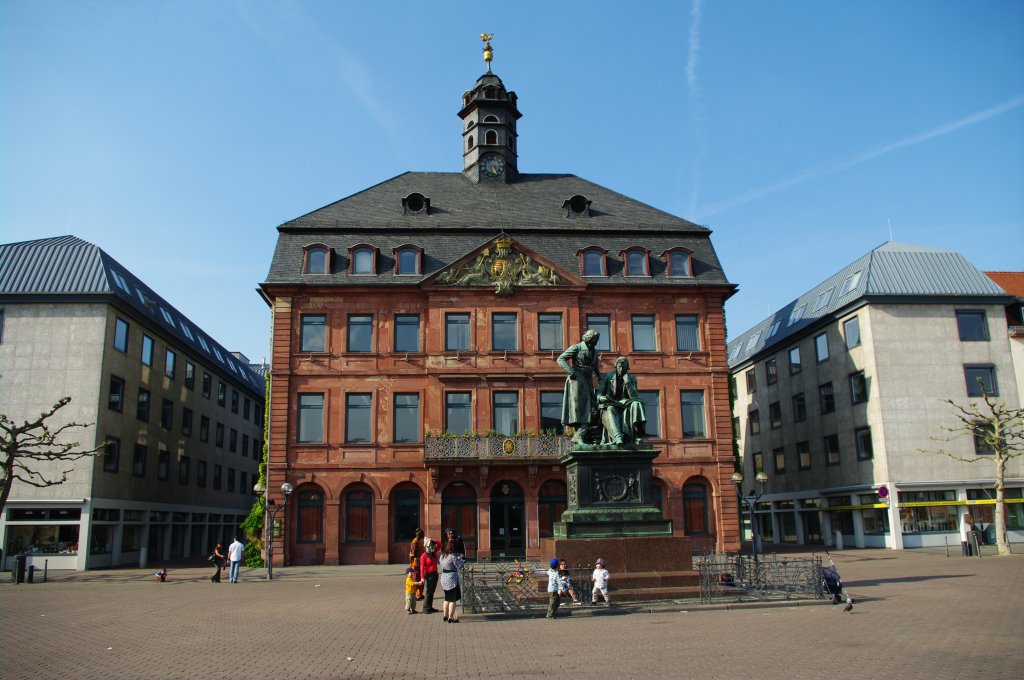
42	539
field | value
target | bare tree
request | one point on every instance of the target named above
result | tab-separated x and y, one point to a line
26	447
997	432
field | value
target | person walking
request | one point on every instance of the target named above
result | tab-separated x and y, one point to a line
415	550
217	557
600	578
235	551
428	573
450	564
554	581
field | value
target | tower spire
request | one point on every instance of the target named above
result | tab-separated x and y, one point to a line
488	52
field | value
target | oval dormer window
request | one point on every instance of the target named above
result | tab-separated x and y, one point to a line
415	202
578	204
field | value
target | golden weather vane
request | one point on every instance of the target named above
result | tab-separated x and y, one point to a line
488	52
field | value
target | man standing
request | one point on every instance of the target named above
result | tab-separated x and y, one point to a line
235	551
579	362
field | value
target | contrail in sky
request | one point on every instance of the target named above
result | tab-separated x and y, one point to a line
833	167
696	104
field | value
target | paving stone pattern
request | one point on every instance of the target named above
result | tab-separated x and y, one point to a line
918	615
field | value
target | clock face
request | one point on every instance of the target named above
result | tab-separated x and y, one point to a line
492	166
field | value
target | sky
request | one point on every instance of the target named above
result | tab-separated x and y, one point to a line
178	135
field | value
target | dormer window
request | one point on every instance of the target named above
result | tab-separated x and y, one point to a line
637	262
363	260
408	260
318	259
593	261
490	93
415	204
576	206
680	262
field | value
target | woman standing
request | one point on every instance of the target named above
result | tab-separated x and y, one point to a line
428	573
218	562
450	564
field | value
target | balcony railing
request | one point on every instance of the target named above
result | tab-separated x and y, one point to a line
495	447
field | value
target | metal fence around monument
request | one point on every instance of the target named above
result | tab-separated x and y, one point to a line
742	577
517	586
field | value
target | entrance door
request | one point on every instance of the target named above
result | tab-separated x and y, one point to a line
458	512
508	521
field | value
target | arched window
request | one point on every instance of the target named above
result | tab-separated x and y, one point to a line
363	261
594	262
359	515
637	262
470	145
492	137
458	512
310	524
405	502
490	119
316	260
695	509
407	261
680	263
551	503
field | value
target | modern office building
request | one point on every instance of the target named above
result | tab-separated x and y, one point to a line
417	325
181	416
838	393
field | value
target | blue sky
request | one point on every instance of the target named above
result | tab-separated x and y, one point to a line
178	135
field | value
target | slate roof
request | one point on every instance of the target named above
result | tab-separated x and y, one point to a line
892	270
68	266
464	215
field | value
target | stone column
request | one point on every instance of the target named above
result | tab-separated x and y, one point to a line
381	544
332	531
483	527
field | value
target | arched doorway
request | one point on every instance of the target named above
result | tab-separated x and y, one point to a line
551	503
405	519
696	515
458	512
508	520
309	526
357	526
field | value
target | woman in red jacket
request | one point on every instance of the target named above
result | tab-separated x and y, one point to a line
428	573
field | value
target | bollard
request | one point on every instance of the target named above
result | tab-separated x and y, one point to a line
945	539
31	573
46	568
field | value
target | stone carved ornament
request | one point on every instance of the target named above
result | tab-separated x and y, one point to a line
615	486
504	268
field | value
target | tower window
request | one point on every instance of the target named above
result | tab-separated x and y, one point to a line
492	137
491	119
490	93
471	144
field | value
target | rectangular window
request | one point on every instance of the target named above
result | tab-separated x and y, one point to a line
170	363
506	412
692	408
458	416
851	329
204	429
794	361
243	485
256	453
121	335
222	393
115	400
643	333
652	409
822	300
858	387
504	332
360	332
311	419
751	381
186	422
754	418
139	460
201	474
687	333
821	347
773	329
456	332
147	350
602	323
142	407
357	418
233	440
551	412
758	462
850	283
984	438
779	455
218	436
775	414
771	371
549	332
832	449
112	454
407	417
163	465
863	438
972	324
231	479
218	474
803	455
826	398
981	380
407	332
799	408
796	315
166	414
183	469
246	407
234	401
190	375
245	445
207	385
313	333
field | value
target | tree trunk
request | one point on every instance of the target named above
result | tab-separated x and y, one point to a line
1000	514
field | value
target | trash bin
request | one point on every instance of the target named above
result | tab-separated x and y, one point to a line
31	573
18	574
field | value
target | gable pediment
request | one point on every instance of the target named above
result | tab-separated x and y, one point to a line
504	265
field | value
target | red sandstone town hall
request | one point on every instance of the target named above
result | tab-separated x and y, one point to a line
415	330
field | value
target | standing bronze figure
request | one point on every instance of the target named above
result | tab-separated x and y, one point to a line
579	405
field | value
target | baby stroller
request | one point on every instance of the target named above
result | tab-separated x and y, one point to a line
832	582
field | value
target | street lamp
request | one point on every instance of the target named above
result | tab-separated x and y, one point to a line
270	510
751	500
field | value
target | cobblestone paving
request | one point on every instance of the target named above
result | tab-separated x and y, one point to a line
918	615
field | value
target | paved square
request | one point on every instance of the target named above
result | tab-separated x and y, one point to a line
918	615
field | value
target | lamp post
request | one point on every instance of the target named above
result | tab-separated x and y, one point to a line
751	500
270	511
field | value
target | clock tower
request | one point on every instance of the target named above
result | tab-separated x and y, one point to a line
489	138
